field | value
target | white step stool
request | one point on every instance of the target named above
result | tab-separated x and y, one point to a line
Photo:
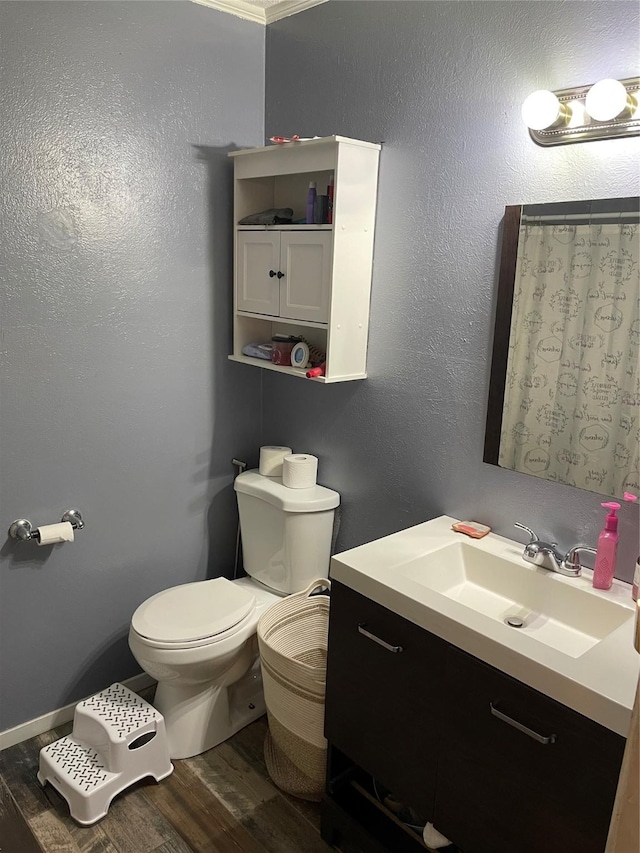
117	739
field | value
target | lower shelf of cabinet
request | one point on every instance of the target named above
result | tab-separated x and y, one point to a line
277	368
354	814
292	371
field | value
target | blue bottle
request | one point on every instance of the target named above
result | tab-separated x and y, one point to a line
311	202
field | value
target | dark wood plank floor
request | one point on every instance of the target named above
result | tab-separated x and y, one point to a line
219	802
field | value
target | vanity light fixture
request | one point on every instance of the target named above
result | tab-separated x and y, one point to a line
605	110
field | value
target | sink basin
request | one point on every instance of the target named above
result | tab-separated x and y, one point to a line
524	598
575	643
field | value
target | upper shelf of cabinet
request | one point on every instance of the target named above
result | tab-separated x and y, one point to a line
297	226
278	176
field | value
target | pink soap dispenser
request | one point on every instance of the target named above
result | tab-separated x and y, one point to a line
607	546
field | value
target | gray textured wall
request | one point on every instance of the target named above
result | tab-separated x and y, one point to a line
441	84
116	395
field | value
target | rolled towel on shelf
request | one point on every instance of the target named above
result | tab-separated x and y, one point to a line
272	216
257	350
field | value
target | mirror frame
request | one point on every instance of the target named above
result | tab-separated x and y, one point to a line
502	331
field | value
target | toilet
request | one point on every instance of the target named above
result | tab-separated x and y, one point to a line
198	640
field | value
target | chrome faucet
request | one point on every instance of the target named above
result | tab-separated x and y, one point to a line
547	556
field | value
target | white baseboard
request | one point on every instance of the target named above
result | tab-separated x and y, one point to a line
42	724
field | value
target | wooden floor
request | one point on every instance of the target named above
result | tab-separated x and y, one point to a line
219	802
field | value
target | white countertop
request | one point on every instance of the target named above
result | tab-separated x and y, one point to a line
600	683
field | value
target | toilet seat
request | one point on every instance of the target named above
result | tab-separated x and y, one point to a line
194	614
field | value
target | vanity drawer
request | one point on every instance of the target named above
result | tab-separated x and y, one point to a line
384	690
519	771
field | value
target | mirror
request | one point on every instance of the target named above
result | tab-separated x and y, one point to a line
564	396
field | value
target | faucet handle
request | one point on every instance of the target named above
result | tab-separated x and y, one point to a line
534	536
572	560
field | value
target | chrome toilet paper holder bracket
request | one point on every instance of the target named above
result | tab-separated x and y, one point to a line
22	529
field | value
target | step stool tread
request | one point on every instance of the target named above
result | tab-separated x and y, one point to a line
78	765
119	710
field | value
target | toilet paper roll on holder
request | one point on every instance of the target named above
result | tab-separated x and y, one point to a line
22	529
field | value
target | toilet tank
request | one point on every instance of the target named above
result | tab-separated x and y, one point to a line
286	533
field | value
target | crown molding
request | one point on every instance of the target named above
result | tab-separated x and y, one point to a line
259	15
289	7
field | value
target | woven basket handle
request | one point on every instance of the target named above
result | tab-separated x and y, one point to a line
318	583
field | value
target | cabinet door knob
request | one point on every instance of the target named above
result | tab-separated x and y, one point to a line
272	273
521	728
280	274
385	645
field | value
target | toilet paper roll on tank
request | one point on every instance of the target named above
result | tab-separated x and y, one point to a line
271	457
299	471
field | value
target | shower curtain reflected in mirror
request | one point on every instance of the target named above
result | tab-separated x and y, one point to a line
572	398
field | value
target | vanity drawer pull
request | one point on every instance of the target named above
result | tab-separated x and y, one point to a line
520	727
370	636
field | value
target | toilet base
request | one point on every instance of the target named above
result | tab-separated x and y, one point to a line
199	717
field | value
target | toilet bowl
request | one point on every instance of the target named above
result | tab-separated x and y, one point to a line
208	674
198	640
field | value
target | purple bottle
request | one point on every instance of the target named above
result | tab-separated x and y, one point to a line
311	203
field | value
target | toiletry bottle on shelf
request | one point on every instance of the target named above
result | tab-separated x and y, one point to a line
607	546
311	202
330	195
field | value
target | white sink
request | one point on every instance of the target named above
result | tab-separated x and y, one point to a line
576	643
565	617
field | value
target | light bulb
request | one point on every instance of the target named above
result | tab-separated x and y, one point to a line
542	109
607	100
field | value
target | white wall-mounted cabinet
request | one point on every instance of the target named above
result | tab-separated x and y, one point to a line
299	279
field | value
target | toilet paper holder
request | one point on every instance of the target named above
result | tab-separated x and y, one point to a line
22	529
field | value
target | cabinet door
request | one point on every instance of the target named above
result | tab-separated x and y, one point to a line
305	260
382	704
501	789
258	256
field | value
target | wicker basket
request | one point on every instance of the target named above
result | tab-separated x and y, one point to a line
292	637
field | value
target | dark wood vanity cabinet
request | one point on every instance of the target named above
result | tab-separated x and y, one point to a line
495	765
385	679
518	771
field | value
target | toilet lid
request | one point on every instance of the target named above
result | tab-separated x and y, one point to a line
192	611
